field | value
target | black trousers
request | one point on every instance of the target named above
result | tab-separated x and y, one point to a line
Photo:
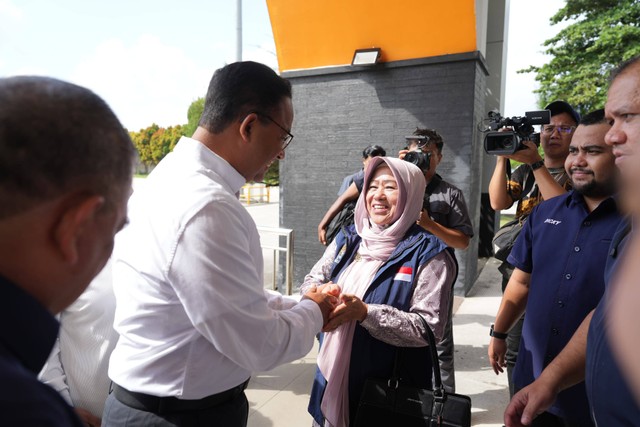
233	413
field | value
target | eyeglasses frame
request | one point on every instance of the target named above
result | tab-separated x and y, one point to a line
557	127
287	140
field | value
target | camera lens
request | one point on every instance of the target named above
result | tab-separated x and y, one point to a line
420	159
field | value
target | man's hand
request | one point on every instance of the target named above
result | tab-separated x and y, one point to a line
497	351
322	234
402	153
528	155
326	301
424	220
350	308
528	403
88	418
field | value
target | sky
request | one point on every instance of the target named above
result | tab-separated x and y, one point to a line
150	59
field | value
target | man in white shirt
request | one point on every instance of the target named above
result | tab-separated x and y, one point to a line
191	310
77	366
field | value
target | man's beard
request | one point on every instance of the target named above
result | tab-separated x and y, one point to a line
596	189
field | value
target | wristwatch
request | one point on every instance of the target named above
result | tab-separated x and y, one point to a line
499	335
537	165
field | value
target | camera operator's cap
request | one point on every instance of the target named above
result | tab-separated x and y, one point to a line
558	107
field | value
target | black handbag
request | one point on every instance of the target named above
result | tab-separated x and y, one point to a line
505	238
388	402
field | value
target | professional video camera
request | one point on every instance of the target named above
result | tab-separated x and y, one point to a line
417	156
510	141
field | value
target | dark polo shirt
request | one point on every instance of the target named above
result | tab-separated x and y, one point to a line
27	334
564	247
612	402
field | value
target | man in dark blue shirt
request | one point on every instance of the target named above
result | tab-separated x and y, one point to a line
559	258
610	398
590	349
66	165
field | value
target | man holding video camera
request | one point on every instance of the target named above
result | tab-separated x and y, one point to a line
535	180
444	215
548	174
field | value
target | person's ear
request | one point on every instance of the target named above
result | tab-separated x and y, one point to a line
74	221
247	125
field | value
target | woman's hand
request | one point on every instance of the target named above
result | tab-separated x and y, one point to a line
350	308
331	289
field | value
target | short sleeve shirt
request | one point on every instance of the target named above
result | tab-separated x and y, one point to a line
357	177
523	188
447	207
564	247
358	180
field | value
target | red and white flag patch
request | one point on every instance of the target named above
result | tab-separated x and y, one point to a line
404	274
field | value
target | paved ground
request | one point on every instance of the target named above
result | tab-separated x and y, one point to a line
279	398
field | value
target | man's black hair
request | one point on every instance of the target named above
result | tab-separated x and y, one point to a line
238	89
593	118
373	151
57	137
622	67
433	135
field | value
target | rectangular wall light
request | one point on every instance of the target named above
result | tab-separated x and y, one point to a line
366	56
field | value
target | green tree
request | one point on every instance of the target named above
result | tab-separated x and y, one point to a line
193	116
154	142
163	141
272	177
142	142
603	34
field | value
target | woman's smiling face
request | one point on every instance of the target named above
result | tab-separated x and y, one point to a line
382	196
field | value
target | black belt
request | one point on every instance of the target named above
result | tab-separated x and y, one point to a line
161	405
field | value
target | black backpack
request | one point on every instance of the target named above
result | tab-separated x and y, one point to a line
343	219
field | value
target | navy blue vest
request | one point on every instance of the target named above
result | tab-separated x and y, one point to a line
370	357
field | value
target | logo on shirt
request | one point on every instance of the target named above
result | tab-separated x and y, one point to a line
404	274
552	221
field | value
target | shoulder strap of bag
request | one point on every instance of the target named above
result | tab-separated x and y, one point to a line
527	185
433	351
435	181
431	339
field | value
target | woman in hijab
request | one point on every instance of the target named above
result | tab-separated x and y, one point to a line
385	269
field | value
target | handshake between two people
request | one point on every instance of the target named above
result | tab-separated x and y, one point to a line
337	308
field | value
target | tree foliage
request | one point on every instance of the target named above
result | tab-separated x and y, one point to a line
272	177
193	116
154	142
603	33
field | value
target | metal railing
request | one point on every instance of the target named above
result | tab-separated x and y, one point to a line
287	233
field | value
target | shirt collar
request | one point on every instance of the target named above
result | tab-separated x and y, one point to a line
28	329
213	162
575	198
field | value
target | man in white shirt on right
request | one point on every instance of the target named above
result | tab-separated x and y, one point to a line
193	317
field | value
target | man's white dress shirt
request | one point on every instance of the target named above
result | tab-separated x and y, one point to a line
77	366
191	310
